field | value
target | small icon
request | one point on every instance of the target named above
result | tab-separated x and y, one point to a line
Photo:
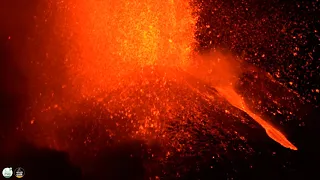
7	172
19	172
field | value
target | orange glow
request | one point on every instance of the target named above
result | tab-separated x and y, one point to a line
112	38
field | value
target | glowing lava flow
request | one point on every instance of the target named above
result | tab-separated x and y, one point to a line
236	100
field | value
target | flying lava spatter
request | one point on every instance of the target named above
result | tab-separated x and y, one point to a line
132	59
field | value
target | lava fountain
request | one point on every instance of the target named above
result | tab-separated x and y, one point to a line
135	62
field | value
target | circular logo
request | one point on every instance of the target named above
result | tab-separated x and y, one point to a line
19	172
7	172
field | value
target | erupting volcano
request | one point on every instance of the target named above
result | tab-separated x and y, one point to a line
129	69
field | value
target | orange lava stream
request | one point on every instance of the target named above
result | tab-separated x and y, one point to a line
236	100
